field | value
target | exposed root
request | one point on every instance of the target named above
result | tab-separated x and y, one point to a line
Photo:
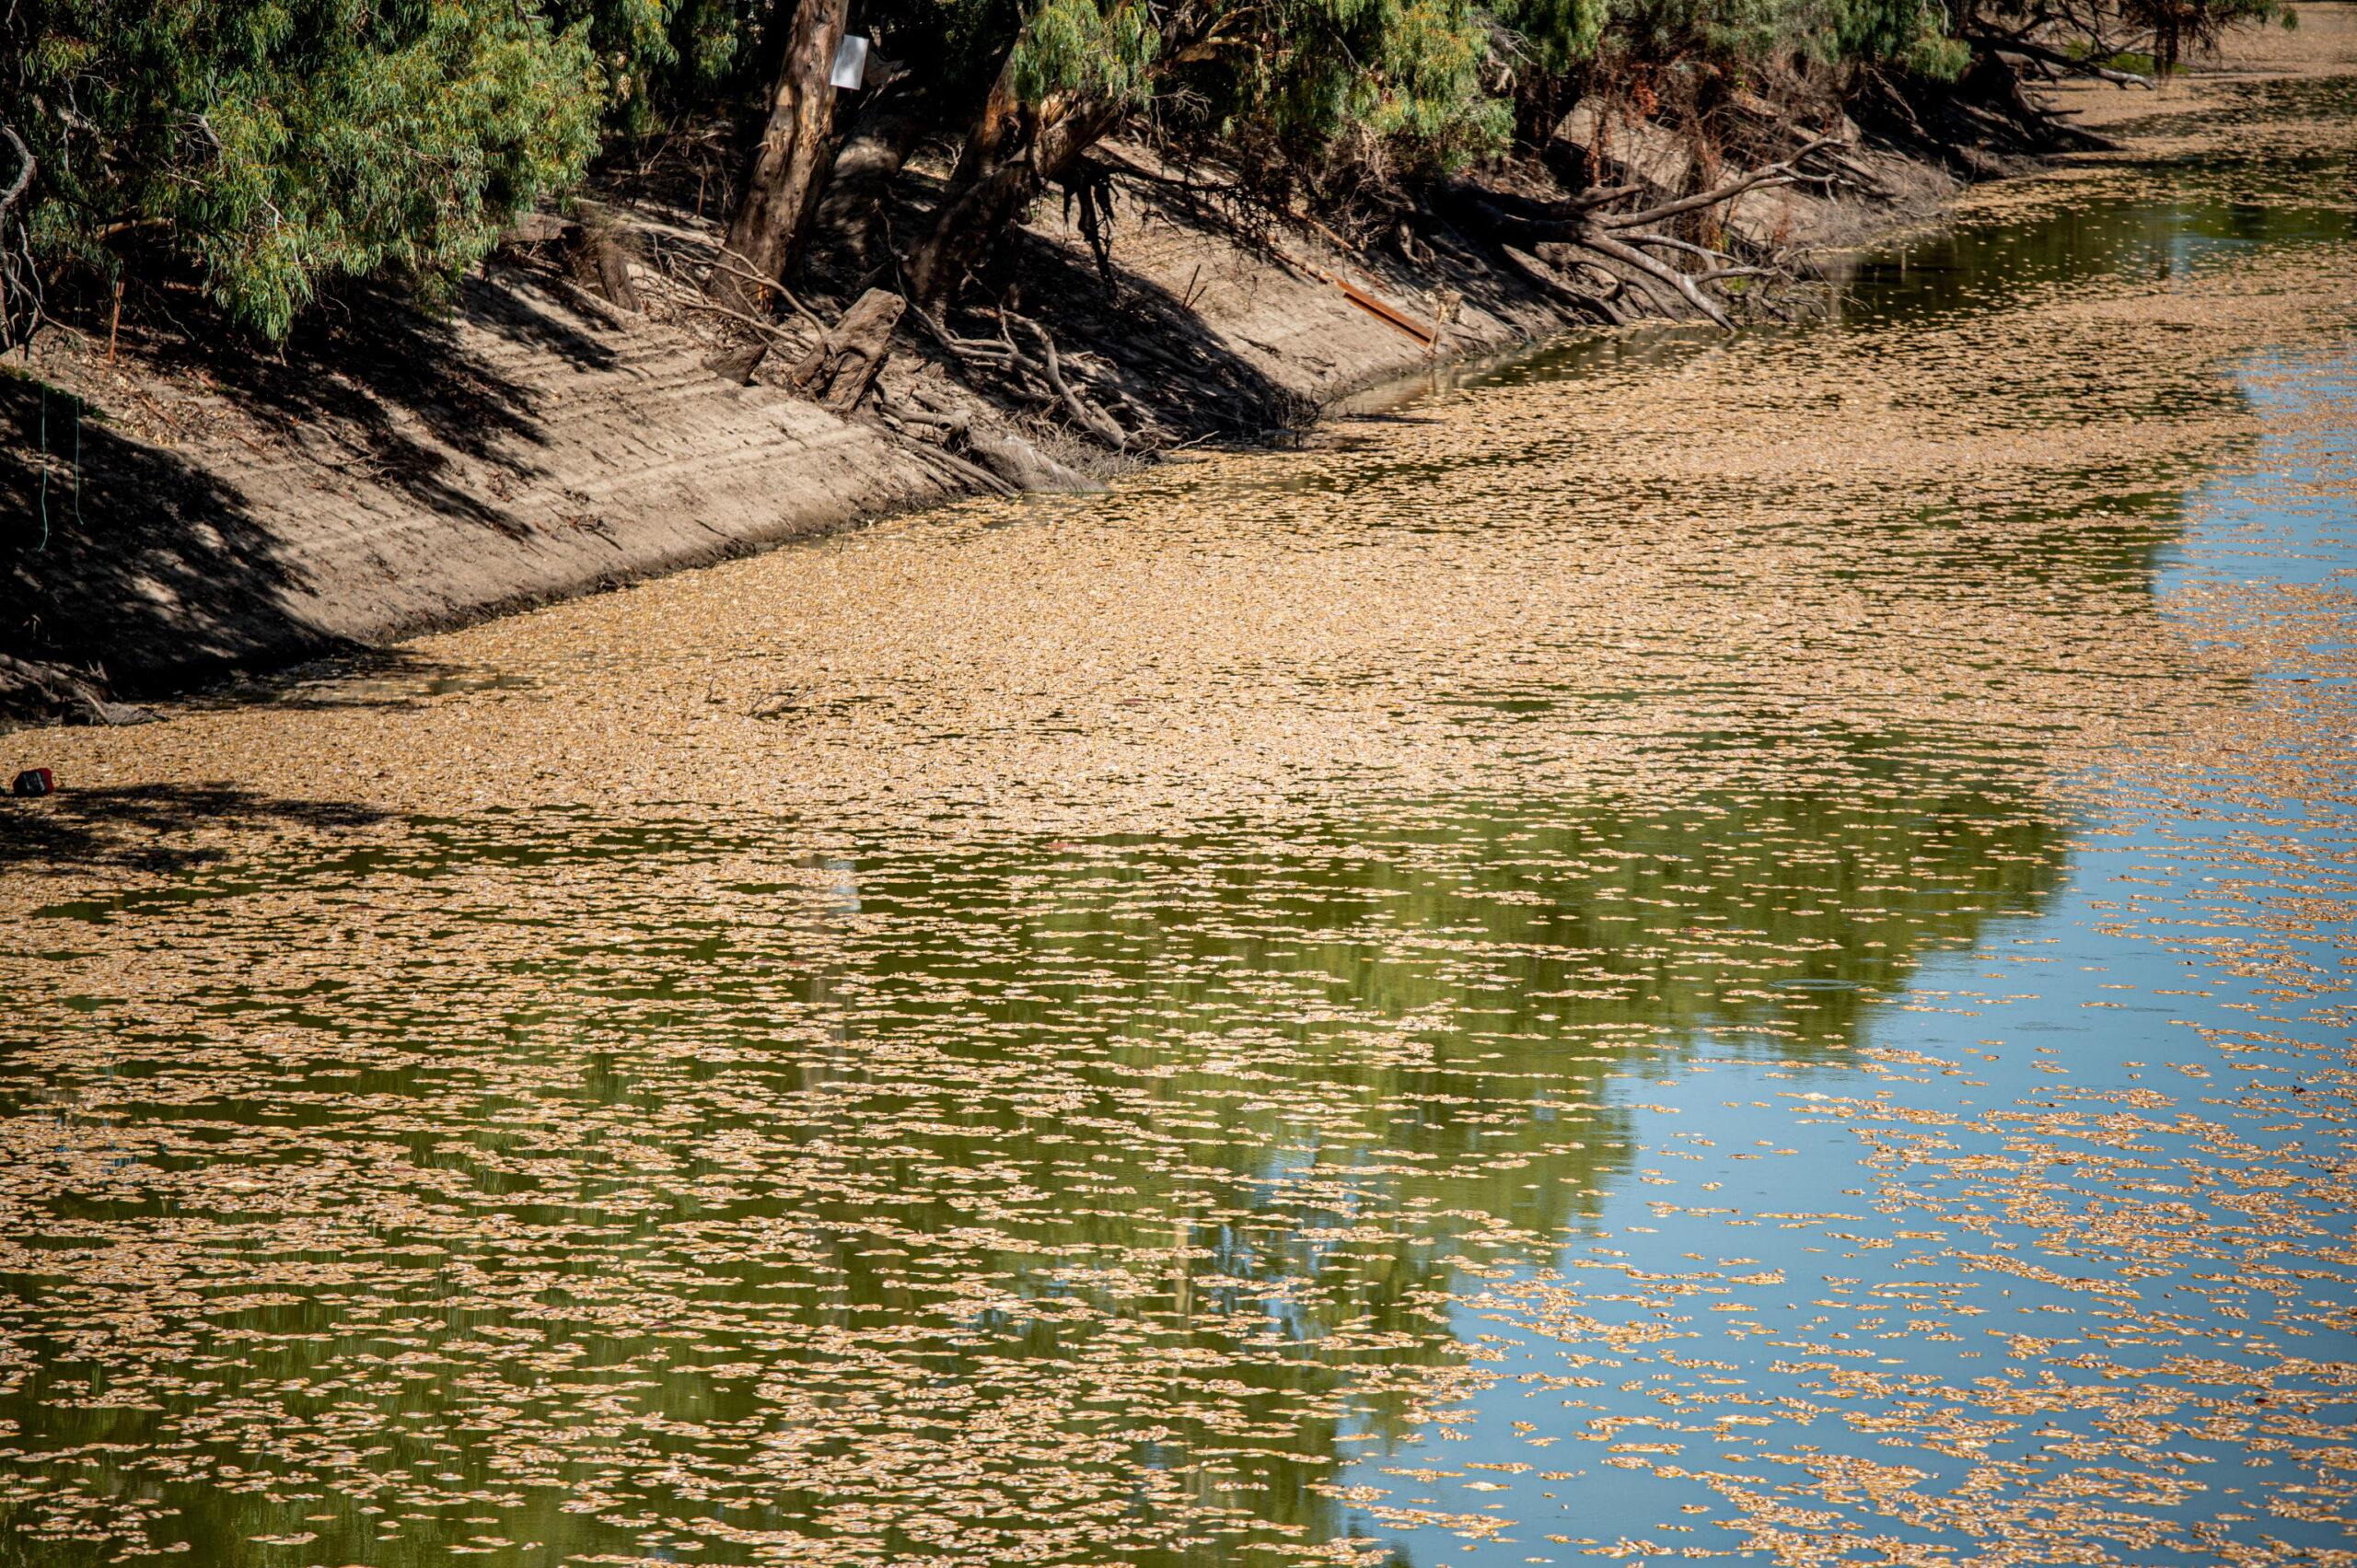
48	693
1047	373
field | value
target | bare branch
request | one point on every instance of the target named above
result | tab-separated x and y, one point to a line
24	174
727	263
1685	246
1093	420
1629	256
1785	173
2056	58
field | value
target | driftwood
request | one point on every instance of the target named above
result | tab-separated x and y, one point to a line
1004	354
51	693
843	364
1533	237
1004	462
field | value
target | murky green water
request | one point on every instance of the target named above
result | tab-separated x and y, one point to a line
1524	987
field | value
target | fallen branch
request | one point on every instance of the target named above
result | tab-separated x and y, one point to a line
1095	420
1505	228
1541	275
1785	173
965	348
1684	247
1629	256
2059	61
51	693
724	263
1050	373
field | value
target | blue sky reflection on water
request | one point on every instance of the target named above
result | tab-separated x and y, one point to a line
2080	1010
1753	1166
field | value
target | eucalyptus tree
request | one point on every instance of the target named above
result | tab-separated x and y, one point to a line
273	143
1074	71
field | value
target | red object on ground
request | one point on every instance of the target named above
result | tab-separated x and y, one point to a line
33	782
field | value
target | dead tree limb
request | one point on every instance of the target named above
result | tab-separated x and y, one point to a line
1785	173
51	693
727	263
1504	228
1541	274
1092	418
1533	236
2059	61
1661	271
1007	354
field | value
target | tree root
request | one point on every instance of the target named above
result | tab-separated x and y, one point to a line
1535	238
1006	354
1004	464
48	693
1091	418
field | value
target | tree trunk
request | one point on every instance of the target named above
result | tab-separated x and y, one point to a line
843	364
767	226
848	227
1010	154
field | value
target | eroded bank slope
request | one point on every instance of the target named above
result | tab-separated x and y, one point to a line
186	506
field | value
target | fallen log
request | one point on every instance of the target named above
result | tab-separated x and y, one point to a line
843	364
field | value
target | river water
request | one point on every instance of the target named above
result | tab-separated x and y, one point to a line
1688	948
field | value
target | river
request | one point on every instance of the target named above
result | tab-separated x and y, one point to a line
1689	946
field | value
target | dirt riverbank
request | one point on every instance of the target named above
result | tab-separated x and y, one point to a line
182	506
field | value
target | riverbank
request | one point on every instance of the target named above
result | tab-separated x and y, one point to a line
1700	948
190	507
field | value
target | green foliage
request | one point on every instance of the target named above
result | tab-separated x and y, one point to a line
276	143
1402	75
1079	48
1556	35
1426	91
1911	33
659	56
272	144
